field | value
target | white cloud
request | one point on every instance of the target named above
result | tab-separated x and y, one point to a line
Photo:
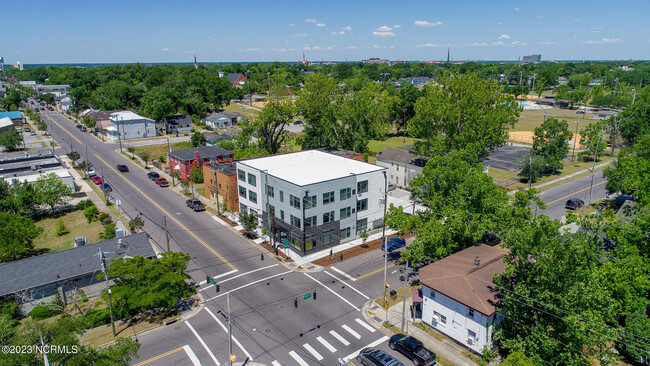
341	33
498	43
426	45
383	34
516	9
603	41
576	19
424	23
519	43
595	29
320	24
299	35
477	44
332	47
540	17
316	48
165	49
376	46
347	29
351	48
254	49
384	28
547	43
499	23
292	25
292	49
279	49
504	36
397	26
310	20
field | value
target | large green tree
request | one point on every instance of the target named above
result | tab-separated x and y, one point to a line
463	112
16	236
594	141
316	104
19	197
550	141
272	121
630	173
51	190
10	140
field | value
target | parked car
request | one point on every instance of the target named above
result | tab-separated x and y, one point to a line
298	122
394	243
413	349
32	133
153	175
391	187
27	129
574	204
19	130
195	204
123	168
107	187
97	180
79	126
36	109
375	357
84	129
91	173
162	182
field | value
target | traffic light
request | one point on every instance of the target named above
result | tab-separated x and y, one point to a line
295	302
314	294
261	256
217	287
207	279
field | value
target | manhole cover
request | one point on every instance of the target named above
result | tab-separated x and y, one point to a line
177	327
267	330
281	306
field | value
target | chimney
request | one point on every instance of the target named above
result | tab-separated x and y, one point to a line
196	156
477	261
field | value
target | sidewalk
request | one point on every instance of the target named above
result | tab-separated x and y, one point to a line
565	177
376	315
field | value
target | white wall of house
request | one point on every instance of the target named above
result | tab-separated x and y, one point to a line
133	128
455	320
399	174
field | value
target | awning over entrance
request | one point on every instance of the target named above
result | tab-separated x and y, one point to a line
416	295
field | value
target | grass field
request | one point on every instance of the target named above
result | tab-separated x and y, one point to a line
243	109
161	149
393	142
75	222
529	119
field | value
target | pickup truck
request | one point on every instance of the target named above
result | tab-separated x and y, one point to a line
195	204
413	349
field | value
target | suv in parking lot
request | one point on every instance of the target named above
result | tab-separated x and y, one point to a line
413	349
195	204
375	357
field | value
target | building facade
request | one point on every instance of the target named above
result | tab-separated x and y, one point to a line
459	298
178	124
184	161
312	200
225	176
402	166
29	166
57	90
128	125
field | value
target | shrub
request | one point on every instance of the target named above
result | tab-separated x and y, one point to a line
108	233
61	229
91	213
82	205
9	308
84	299
41	312
103	216
97	317
107	221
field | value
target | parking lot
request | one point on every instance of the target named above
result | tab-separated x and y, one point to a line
506	158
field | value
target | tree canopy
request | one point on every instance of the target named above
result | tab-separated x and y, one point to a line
17	234
10	140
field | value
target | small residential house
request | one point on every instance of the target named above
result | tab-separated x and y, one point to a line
127	125
237	80
40	278
178	124
225	176
6	124
217	120
459	298
15	116
562	80
183	161
402	165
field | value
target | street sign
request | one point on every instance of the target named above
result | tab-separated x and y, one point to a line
286	244
212	281
306	296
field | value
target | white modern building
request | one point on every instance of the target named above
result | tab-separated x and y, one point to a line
128	125
316	200
459	298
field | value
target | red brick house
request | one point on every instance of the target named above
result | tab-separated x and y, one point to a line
183	161
237	80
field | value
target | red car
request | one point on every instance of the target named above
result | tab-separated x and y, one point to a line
97	180
162	182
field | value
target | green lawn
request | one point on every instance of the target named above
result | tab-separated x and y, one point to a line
75	222
392	142
529	119
156	151
245	110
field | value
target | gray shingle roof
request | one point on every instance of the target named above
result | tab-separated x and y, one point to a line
204	152
216	117
233	77
182	119
401	157
67	264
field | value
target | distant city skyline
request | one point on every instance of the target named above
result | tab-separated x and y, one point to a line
264	31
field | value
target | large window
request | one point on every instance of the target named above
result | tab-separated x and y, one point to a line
310	222
328	217
362	205
345	213
252	180
310	242
270	209
310	202
270	191
362	187
328	237
242	191
252	196
241	174
443	319
294	201
281	196
345	233
295	221
328	197
362	225
346	193
282	215
243	209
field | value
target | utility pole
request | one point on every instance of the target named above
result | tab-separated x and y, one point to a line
45	359
593	172
101	172
406	277
108	289
119	135
230	355
169	158
530	170
575	140
216	189
383	234
166	232
269	214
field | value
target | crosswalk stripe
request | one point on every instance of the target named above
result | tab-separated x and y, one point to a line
326	344
343	273
226	330
311	350
341	339
365	325
298	358
192	355
350	287
351	331
276	363
205	346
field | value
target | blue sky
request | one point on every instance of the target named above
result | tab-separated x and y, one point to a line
237	31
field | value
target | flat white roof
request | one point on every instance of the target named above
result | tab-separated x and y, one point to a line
309	167
126	116
6	121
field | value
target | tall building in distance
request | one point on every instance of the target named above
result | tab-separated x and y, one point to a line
304	61
532	59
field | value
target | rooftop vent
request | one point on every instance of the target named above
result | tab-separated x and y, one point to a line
79	241
477	261
120	244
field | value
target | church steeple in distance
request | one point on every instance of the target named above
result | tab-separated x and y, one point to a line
196	64
220	70
448	54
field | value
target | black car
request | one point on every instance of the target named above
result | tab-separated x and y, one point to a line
195	204
413	349
153	175
375	357
123	168
27	129
574	204
78	126
107	187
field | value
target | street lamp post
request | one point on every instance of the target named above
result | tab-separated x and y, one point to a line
575	141
304	227
383	234
593	168
633	96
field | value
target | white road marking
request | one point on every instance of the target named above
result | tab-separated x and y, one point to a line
352	288
351	331
343	273
203	343
326	344
373	344
226	330
276	363
192	355
219	276
313	351
252	283
330	290
341	339
239	275
298	358
365	325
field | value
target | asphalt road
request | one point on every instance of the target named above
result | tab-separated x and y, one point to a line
555	198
